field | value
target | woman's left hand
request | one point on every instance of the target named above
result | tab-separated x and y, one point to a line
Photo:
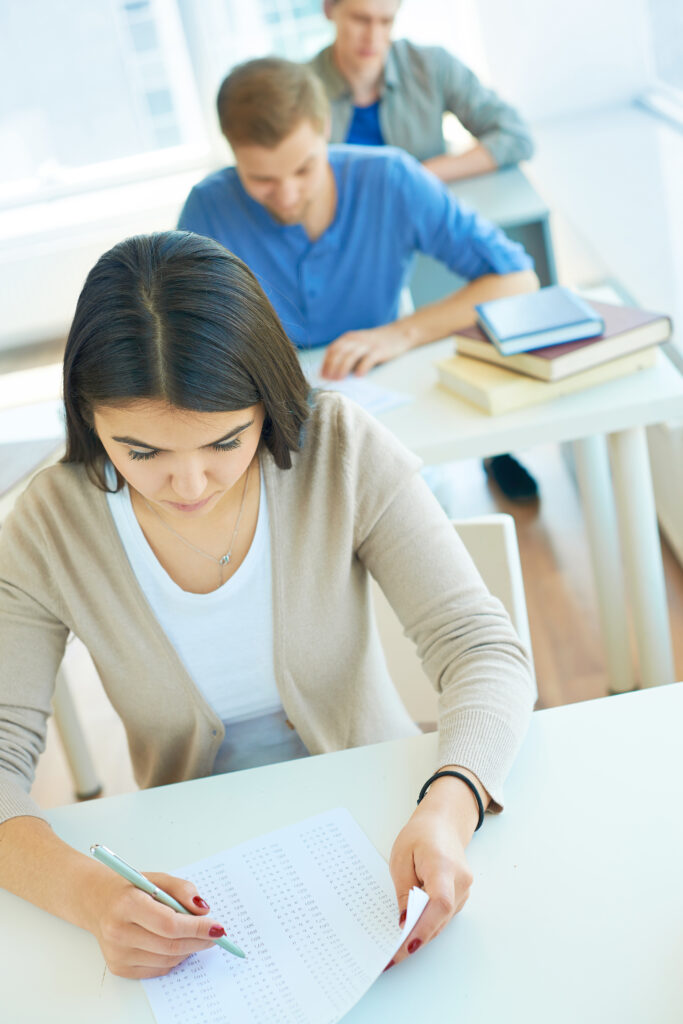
430	853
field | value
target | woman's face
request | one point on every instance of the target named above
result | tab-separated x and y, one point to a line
182	462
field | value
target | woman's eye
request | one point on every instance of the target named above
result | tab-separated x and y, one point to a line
142	455
224	446
227	446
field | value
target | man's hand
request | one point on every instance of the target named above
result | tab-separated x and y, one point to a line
358	351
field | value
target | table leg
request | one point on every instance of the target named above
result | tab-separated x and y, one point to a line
536	239
642	554
593	475
549	251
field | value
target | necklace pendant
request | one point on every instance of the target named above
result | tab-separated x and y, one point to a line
225	559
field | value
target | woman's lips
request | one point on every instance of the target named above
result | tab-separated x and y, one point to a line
189	508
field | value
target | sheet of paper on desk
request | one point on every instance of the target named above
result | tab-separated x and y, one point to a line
362	390
374	399
314	909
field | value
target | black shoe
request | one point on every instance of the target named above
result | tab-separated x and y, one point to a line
512	478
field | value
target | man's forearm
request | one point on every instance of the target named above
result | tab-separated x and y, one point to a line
439	319
358	351
453	166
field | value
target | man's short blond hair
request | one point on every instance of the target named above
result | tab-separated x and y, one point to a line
262	101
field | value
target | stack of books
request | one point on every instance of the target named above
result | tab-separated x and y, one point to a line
530	348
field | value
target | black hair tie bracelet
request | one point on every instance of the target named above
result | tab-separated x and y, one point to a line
468	782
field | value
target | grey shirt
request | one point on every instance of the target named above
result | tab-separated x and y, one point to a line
421	84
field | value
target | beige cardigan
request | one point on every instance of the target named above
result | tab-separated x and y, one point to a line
352	503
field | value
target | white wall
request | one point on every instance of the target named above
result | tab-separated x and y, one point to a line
552	57
47	249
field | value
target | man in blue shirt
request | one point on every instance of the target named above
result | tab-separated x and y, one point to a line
331	232
396	93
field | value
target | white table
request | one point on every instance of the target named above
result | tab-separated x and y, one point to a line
509	200
576	913
439	427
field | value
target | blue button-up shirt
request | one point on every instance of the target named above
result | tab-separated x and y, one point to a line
388	208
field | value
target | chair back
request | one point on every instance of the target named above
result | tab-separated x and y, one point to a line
492	543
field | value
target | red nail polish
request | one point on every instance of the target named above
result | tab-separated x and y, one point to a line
216	933
390	964
414	945
402	918
199	902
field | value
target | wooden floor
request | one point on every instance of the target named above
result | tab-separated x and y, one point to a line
570	663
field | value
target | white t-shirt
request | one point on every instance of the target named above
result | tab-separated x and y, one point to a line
225	638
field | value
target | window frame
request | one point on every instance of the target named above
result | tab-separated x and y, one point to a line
196	153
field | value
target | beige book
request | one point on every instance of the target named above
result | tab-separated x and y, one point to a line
497	390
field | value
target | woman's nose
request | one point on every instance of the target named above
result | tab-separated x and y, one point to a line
190	483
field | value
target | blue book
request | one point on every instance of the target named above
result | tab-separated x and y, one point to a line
520	323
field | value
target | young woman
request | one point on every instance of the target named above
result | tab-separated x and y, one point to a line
209	536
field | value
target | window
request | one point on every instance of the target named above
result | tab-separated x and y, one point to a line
92	93
666	98
298	28
95	93
667	34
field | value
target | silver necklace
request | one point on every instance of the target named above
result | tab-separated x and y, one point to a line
224	560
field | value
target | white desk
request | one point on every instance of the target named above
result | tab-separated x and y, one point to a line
440	428
576	914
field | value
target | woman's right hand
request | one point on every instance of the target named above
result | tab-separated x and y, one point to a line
141	938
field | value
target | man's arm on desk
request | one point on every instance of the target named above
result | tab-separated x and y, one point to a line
359	351
501	136
454	166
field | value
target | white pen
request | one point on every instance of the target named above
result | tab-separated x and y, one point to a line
106	856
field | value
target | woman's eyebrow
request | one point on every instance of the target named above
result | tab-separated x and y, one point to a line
152	447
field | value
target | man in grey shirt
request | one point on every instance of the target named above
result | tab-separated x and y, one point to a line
385	92
396	93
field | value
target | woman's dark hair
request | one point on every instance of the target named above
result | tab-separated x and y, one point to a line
175	316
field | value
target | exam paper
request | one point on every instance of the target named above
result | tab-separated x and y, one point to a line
365	392
373	398
314	909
